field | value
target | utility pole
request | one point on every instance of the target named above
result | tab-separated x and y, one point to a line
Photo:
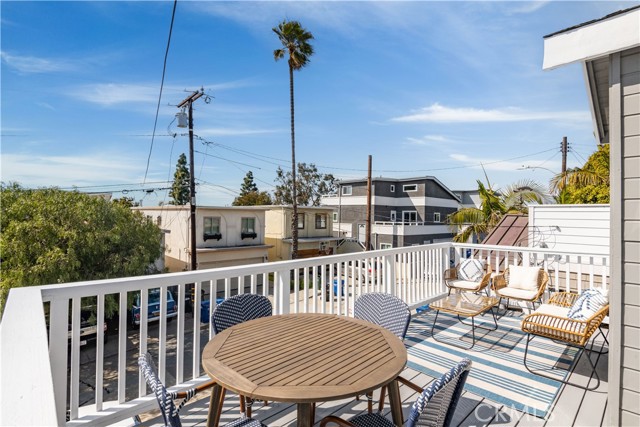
564	149
367	241
188	103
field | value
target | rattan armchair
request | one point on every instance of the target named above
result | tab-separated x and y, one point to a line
550	321
502	289
453	282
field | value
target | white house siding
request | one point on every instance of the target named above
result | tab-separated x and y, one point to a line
570	228
630	224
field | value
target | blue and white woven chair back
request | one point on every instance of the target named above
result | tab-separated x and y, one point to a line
384	310
239	309
437	403
165	400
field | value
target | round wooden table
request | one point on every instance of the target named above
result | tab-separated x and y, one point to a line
304	358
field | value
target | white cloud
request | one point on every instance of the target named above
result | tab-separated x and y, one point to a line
437	113
67	171
108	94
35	65
529	7
234	131
427	140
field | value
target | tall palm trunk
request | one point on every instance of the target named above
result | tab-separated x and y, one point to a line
294	193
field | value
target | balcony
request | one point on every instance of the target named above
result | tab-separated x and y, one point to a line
50	379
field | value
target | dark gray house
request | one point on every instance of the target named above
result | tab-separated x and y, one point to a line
404	212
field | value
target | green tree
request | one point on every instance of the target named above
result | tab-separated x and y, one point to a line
248	186
180	188
127	202
250	195
52	236
494	204
588	184
295	41
310	186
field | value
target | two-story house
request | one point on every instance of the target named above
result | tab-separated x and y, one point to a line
315	232
226	236
404	212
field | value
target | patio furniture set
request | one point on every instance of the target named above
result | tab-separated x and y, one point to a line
309	358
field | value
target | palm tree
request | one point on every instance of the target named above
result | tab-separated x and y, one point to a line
468	222
295	41
586	184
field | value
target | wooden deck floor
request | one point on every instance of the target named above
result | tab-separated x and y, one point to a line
573	407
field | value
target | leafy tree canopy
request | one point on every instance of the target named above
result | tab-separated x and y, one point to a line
250	195
588	184
52	236
180	188
311	185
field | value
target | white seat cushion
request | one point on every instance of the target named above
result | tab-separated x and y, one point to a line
516	293
521	277
463	284
552	309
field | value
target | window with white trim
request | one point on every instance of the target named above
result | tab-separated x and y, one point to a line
393	216
386	246
321	221
300	221
436	217
347	190
408	188
335	217
409	216
211	228
392	188
248	228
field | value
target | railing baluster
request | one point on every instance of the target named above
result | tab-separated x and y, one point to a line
579	274
323	288
196	330
162	335
74	389
144	319
314	284
99	352
181	342
122	348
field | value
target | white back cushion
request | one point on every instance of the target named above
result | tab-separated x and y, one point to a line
471	270
526	278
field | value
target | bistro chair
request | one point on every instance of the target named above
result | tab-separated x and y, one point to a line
571	319
521	283
387	311
434	407
470	275
239	309
170	412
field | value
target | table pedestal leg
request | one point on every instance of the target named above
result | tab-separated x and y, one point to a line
305	417
215	405
395	402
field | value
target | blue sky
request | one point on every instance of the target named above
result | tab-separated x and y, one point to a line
426	88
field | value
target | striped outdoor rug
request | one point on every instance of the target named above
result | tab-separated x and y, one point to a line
498	373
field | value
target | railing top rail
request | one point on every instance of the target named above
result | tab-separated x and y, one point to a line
111	286
525	249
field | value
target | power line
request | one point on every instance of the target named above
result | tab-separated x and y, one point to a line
164	69
112	185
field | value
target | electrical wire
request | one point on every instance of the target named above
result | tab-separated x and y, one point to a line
164	69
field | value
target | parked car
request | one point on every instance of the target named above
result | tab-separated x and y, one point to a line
88	326
153	305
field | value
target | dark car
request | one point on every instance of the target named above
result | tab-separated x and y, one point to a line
153	312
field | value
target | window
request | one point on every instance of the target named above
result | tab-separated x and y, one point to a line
392	188
386	245
321	221
248	228
335	217
300	221
211	228
409	188
393	216
347	190
409	216
436	217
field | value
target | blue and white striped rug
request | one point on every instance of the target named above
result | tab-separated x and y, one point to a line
498	372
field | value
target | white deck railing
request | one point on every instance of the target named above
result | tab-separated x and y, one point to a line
47	378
